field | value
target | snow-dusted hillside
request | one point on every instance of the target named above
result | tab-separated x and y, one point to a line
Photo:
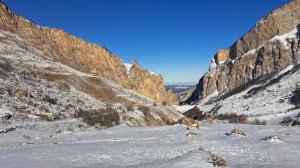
267	98
259	74
36	90
155	147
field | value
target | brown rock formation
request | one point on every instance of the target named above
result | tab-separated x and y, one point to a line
278	22
270	46
222	55
83	56
149	84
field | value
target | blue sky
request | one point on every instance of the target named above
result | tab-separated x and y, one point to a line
176	38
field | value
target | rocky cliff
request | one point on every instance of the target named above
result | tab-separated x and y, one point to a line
83	56
270	46
39	91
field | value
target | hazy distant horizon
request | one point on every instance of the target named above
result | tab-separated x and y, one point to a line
181	83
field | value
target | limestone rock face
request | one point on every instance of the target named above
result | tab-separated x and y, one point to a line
83	56
272	45
278	22
148	83
222	55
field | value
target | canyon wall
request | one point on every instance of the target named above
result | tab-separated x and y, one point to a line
270	46
83	56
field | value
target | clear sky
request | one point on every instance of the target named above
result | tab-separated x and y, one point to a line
176	38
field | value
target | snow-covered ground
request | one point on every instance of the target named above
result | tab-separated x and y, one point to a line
165	146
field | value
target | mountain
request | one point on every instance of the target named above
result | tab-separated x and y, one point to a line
179	88
243	77
58	92
49	79
183	91
85	57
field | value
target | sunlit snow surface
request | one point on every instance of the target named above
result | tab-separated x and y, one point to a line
124	146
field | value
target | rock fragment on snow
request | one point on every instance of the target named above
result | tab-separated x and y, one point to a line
6	130
273	138
236	132
214	159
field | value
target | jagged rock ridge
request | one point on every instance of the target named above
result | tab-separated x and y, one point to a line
83	56
272	45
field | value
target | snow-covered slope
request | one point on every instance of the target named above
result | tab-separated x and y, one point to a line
34	89
268	98
258	74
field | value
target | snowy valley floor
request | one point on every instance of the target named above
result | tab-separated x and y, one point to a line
167	146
